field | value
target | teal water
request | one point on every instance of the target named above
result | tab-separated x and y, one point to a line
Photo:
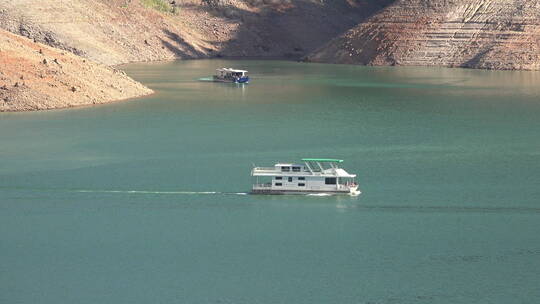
144	201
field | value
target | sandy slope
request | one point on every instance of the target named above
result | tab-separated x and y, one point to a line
120	31
495	34
36	77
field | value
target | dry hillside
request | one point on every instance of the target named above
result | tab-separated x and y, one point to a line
490	34
493	34
120	31
36	77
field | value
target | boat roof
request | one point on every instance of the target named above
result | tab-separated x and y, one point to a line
323	160
342	173
231	70
287	165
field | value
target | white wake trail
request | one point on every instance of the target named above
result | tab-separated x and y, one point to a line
159	192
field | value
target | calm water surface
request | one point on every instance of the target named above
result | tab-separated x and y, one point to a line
144	201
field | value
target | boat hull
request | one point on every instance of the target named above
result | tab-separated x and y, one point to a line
243	80
231	80
353	192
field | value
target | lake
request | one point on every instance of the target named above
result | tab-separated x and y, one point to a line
145	201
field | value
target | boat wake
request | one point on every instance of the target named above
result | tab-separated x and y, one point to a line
206	79
149	192
181	192
142	192
161	192
320	194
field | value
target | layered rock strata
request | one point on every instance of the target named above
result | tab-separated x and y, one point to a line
488	34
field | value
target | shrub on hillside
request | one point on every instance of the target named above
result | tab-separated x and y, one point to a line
161	5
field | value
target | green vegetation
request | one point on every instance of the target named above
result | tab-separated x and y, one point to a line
160	5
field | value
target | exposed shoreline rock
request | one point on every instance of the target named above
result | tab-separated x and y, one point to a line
38	77
83	34
484	34
114	32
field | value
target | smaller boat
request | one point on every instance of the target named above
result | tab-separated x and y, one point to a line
314	176
231	75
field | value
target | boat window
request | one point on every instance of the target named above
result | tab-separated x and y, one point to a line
296	169
301	184
285	169
279	184
330	180
301	178
279	177
290	179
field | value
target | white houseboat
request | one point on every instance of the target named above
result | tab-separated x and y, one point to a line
231	75
315	175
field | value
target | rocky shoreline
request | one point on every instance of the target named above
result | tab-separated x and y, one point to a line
482	34
38	77
87	37
113	32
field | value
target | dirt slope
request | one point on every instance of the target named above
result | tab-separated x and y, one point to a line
490	34
493	34
109	32
36	77
120	31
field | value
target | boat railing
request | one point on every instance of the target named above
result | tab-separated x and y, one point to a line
273	170
269	170
264	185
347	185
264	168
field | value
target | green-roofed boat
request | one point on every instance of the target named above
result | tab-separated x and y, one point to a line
313	176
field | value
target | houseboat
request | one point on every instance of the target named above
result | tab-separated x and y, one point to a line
314	175
231	75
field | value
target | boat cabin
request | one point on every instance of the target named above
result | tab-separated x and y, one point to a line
315	175
231	75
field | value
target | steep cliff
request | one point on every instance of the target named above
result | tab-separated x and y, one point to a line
490	34
34	76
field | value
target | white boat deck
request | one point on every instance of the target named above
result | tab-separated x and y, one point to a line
269	185
314	176
273	171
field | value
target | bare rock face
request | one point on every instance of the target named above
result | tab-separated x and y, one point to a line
489	34
106	31
120	31
38	77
